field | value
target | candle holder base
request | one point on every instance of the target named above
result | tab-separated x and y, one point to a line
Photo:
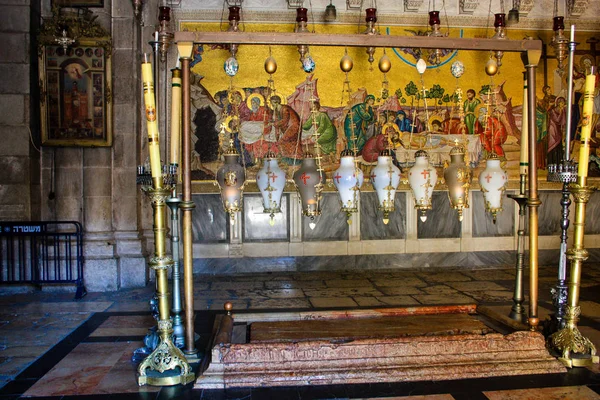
575	349
166	365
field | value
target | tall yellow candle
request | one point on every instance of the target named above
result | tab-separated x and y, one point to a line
524	160
151	123
175	115
586	126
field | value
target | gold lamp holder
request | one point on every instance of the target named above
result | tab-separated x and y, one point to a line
166	365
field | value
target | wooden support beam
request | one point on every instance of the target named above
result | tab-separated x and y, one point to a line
356	40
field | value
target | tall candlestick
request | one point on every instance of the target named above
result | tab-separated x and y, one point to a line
175	115
586	126
151	123
524	160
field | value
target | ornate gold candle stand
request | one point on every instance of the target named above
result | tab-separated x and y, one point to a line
166	365
576	350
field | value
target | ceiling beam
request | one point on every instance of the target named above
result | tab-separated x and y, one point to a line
356	40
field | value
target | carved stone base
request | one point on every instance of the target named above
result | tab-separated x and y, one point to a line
387	355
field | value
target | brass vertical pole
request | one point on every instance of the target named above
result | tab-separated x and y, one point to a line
187	205
533	58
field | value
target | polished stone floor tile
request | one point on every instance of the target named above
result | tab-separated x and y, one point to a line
491	274
398	300
551	393
347	283
368	301
590	309
400	290
343	292
279	303
443	277
443	299
398	282
475	286
332	302
287	284
130	325
493	295
439	289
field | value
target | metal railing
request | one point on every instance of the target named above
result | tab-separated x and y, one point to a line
36	252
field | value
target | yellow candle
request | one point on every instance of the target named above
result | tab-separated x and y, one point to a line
586	126
153	137
524	160
175	115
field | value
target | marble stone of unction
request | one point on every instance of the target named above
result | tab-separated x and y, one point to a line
371	219
483	225
442	221
209	220
330	225
257	223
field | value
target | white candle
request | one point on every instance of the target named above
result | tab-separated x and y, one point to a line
175	115
524	160
151	123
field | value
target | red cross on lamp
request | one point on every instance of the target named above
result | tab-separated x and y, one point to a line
422	178
385	178
348	179
310	180
270	180
493	180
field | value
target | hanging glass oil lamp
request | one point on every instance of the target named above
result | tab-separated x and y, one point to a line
385	178
270	180
348	179
560	41
302	27
500	26
371	19
310	180
493	180
384	66
231	178
458	176
422	178
434	22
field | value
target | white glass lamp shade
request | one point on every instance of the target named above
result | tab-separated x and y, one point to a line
458	178
493	180
348	179
270	180
309	182
422	178
231	178
385	178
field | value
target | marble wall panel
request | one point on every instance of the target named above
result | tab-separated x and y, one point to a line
330	225
257	224
442	221
483	225
371	219
592	210
209	220
550	213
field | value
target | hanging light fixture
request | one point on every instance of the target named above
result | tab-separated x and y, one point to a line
385	178
371	19
422	178
493	180
302	27
434	22
270	180
310	180
513	14
559	40
165	36
500	34
231	178
348	179
330	12
458	176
